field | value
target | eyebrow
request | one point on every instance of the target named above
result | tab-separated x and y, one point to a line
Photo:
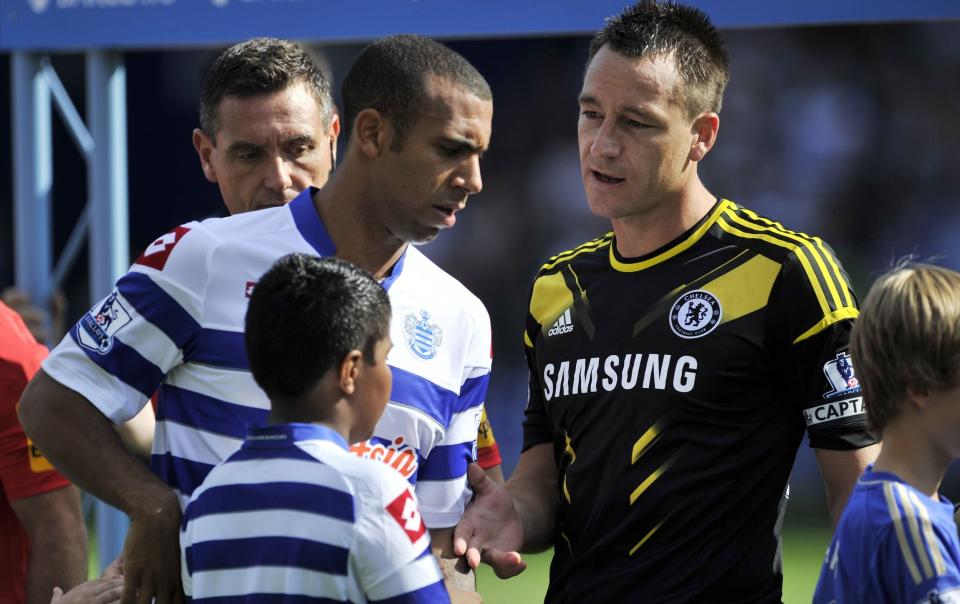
302	139
637	111
236	146
462	144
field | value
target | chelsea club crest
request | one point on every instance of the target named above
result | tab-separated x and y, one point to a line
695	314
422	336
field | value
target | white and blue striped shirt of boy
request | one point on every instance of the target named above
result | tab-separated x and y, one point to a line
293	514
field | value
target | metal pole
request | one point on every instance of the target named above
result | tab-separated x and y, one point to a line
108	232
107	109
33	176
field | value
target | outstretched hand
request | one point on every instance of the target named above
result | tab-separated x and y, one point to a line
490	530
151	558
105	590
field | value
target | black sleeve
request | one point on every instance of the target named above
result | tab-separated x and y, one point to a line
812	312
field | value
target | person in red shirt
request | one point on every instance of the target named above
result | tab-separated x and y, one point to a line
43	540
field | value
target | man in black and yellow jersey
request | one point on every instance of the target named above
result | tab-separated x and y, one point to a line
674	362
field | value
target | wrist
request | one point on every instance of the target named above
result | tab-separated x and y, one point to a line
157	505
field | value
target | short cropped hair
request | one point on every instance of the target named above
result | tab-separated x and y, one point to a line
391	75
683	33
907	337
305	314
260	66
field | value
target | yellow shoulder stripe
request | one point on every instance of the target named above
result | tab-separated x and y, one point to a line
831	312
827	321
829	269
894	510
589	246
911	514
933	545
811	276
926	546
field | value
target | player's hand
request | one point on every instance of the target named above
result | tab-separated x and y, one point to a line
105	590
115	568
490	530
151	556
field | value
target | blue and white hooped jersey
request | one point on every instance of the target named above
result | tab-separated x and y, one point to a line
441	364
893	544
174	325
294	515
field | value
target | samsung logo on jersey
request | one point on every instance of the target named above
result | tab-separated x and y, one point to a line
619	372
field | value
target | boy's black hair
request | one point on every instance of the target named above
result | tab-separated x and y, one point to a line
306	313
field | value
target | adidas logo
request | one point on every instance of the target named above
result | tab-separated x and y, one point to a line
564	324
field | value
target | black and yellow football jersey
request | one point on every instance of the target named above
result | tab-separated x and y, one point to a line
675	389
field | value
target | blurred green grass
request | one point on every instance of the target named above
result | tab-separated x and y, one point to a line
804	544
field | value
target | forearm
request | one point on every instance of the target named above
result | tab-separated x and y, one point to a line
58	551
83	445
534	491
840	470
456	573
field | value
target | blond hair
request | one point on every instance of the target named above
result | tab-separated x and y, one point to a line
907	338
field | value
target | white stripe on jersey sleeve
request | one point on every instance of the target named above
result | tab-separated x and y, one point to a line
230	385
176	280
183	499
473	372
143	336
272	523
189	443
69	365
420	430
416	575
268	580
185	578
442	501
463	426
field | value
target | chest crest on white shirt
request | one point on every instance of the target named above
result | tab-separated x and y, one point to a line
422	336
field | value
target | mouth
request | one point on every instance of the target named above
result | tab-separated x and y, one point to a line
605	178
448	213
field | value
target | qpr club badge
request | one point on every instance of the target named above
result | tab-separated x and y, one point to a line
422	336
695	314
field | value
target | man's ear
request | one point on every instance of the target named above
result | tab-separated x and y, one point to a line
333	133
704	131
350	370
919	397
372	132
204	147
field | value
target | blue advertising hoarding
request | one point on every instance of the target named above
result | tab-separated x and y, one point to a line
75	25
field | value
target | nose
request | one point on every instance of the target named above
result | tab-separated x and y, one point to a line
605	143
278	175
468	178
